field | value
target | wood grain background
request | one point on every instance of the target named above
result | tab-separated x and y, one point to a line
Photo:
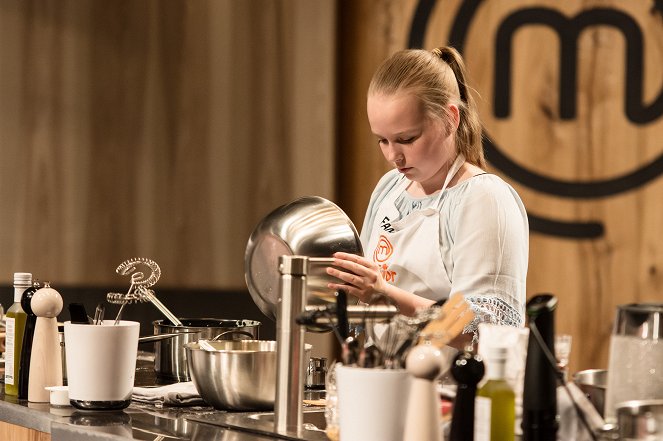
168	129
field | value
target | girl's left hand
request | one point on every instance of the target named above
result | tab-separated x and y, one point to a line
362	277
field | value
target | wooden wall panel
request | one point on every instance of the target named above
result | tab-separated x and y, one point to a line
157	129
590	276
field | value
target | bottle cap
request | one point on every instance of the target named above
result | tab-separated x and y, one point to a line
22	279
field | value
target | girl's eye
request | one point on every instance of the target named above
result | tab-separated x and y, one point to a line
381	141
407	141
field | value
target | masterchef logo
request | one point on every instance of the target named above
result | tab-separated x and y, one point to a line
642	109
383	250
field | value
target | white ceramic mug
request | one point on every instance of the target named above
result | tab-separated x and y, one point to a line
101	363
372	403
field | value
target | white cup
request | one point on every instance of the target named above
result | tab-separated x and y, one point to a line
372	403
101	363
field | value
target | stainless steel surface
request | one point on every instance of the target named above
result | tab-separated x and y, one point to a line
310	226
357	313
640	420
643	320
593	383
316	372
262	423
153	338
290	344
237	375
170	356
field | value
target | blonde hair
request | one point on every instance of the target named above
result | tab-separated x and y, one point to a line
437	79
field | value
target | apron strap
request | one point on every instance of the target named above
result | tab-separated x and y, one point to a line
453	170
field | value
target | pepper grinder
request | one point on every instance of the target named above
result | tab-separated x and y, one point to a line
422	421
467	369
46	360
28	336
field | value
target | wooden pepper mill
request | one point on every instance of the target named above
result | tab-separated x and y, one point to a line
422	422
46	360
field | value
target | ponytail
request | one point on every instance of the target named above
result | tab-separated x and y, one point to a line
468	134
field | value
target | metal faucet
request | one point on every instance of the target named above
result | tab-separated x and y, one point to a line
290	363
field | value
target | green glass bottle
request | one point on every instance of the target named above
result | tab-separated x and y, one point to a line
495	406
15	319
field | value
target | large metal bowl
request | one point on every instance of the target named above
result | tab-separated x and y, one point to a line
309	226
237	375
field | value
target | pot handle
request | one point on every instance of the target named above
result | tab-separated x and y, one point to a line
232	331
159	337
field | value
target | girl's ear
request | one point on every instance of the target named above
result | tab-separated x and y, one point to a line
454	115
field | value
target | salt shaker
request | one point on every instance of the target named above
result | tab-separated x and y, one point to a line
46	360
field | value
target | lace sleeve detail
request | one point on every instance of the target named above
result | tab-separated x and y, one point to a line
493	310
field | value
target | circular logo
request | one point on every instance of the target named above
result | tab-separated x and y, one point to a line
383	250
568	29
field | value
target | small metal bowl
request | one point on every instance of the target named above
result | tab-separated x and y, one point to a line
593	383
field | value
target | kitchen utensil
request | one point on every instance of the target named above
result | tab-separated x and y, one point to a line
370	403
28	337
101	363
636	356
453	316
316	373
422	421
309	226
77	313
640	420
46	361
237	374
99	314
593	383
170	356
139	288
540	390
467	369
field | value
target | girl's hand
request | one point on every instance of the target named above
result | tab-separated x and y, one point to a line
362	277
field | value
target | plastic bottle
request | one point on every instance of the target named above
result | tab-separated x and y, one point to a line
15	322
495	406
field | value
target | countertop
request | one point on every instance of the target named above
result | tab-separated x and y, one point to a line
143	421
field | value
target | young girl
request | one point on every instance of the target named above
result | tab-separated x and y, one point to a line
437	224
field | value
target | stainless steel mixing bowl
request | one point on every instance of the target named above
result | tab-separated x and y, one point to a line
237	375
309	226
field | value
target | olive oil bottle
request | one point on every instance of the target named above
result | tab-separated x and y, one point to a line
15	322
495	405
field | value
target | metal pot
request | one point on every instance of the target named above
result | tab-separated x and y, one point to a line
309	226
593	383
640	420
169	354
237	375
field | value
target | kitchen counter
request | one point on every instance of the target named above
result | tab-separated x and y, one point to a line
138	421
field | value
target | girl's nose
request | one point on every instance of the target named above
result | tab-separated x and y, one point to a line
393	155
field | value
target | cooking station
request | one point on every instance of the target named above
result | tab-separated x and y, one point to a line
148	422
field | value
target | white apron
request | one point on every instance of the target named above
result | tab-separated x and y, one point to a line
408	250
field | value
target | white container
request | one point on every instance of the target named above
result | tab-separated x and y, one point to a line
59	395
372	403
101	363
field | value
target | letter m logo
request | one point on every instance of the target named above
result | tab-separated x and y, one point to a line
568	30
